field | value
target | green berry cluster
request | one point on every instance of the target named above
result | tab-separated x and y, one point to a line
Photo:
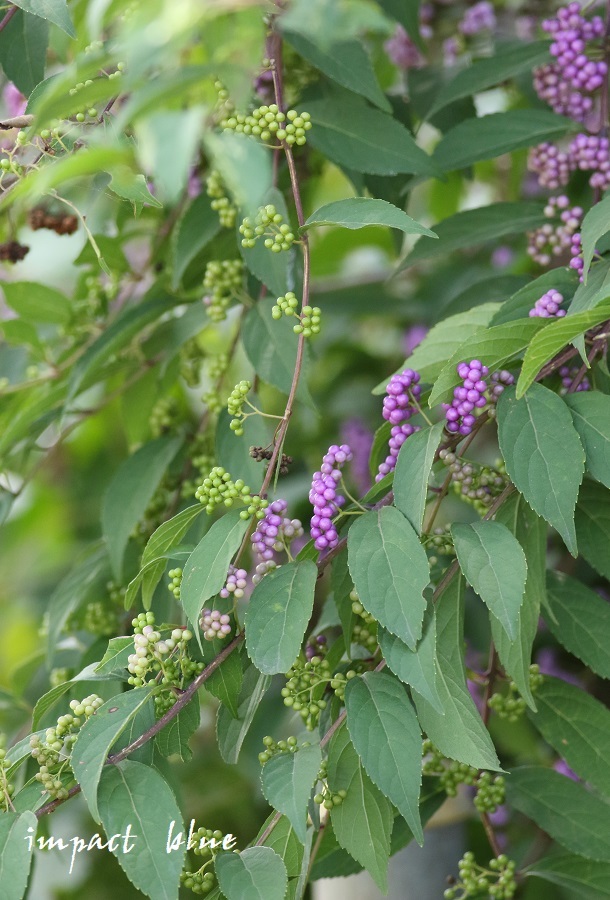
216	189
206	844
235	405
450	772
328	799
222	282
309	323
268	222
269	121
285	306
491	792
364	632
199	882
475	484
201	459
496	882
100	619
150	649
339	681
272	748
441	541
305	680
7	789
218	488
164	416
52	753
175	582
511	705
60	675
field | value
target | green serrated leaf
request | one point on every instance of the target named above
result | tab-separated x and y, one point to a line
359	212
387	737
588	880
578	727
225	682
17	831
257	873
573	816
580	620
390	570
417	668
130	492
412	472
459	733
287	780
55	11
278	612
593	526
362	824
173	740
23	50
543	454
231	730
72	591
594	226
134	799
494	564
206	569
97	736
591	416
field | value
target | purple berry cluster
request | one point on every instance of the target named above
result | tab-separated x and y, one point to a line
555	239
549	306
315	647
553	166
576	260
402	51
235	583
563	99
499	380
591	153
399	404
467	398
477	18
567	376
273	530
571	32
324	498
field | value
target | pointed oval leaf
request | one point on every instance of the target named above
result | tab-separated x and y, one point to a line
287	780
591	416
413	467
493	562
417	668
97	736
390	570
135	800
387	737
231	730
55	11
588	880
594	226
15	855
206	569
543	454
278	612
518	306
593	526
257	873
358	212
580	620
573	816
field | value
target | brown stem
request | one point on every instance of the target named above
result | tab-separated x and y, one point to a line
491	837
7	18
314	849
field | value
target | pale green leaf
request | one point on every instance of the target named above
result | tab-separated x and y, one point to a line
591	415
417	668
257	873
358	212
412	472
287	780
231	730
580	620
35	302
17	834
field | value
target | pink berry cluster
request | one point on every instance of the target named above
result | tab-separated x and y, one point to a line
399	404
571	32
590	153
274	529
477	18
549	306
401	50
324	498
563	99
553	239
235	583
467	398
553	166
576	260
499	380
214	624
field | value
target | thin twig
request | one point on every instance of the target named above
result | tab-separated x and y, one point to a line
7	18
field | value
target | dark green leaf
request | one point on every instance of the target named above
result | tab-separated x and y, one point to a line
23	50
173	740
493	562
206	569
116	656
17	834
459	733
352	134
417	668
342	586
36	302
588	880
407	13
278	612
97	736
358	212
580	620
578	727
387	737
287	780
234	453
130	492
194	231
390	570
591	416
231	730
362	824
245	168
412	472
476	226
135	796
593	526
346	62
55	11
257	873
594	226
485	73
574	817
225	682
72	591
543	454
